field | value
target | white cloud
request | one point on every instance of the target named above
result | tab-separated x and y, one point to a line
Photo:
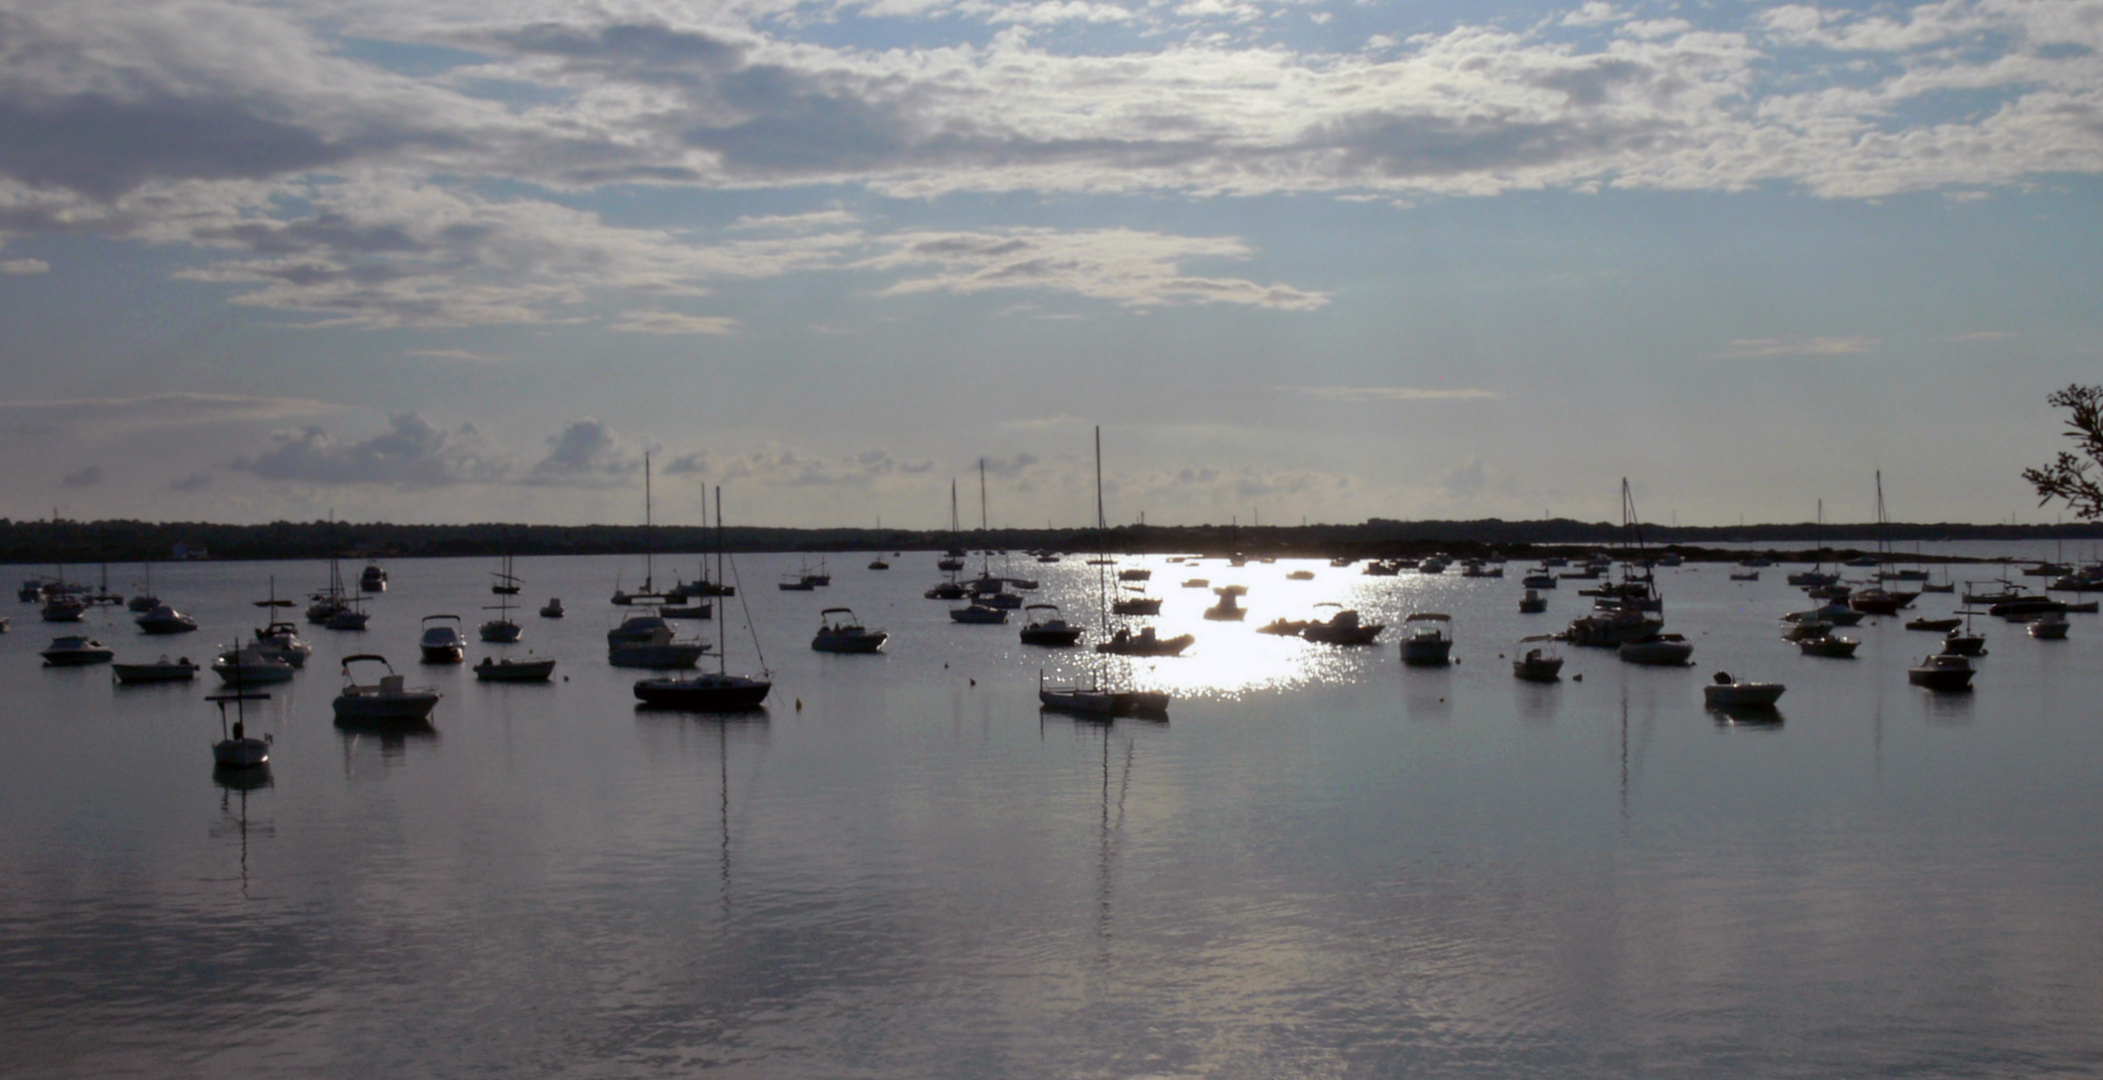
586	453
23	267
410	454
1387	393
1817	346
465	356
672	322
1134	269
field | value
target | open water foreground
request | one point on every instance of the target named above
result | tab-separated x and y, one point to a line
1323	864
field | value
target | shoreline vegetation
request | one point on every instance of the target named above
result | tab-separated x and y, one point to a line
45	542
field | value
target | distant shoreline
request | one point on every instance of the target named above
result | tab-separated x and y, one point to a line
47	542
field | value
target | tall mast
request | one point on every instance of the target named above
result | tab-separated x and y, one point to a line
648	536
722	611
1100	522
954	528
982	494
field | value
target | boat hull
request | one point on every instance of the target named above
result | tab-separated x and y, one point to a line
134	674
240	753
705	693
407	706
1742	695
849	643
515	670
641	655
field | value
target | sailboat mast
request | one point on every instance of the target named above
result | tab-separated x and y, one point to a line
982	494
648	521
723	619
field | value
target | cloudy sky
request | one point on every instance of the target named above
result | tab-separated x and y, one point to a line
450	261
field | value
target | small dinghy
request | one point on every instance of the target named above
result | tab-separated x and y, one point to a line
160	671
509	670
1729	693
1541	663
236	749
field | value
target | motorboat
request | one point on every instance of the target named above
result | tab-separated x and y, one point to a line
947	590
839	631
385	699
1134	574
1197	583
1427	639
1541	663
1748	575
1136	605
1942	672
878	563
979	614
1611	624
1938	626
1094	700
1043	625
236	748
1284	627
160	671
1831	614
1827	645
2050	626
1228	609
646	641
710	691
2026	608
166	620
1539	579
1342	628
74	650
552	609
64	607
441	642
1300	575
1729	693
1145	643
1963	643
1658	650
374	579
1533	603
536	669
252	665
282	640
1807	630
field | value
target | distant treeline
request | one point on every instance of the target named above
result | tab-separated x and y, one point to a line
142	541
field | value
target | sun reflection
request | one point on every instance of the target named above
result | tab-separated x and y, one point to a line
1232	658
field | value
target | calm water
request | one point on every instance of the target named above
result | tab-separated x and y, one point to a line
1324	864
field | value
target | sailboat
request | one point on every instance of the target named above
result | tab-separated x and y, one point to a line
144	601
507	583
1621	614
501	630
1816	577
716	691
324	605
1876	599
953	559
647	594
1095	699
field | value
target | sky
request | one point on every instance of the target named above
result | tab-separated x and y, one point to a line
1319	260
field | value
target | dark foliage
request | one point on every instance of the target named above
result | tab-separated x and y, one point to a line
2068	477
